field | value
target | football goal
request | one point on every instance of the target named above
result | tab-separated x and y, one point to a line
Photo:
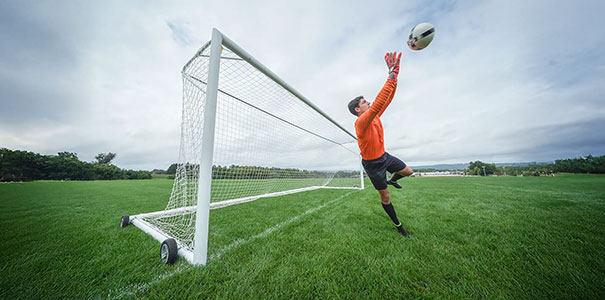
245	135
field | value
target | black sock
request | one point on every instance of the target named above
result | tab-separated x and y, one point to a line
396	177
391	212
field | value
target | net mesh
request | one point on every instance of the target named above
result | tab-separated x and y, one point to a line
267	141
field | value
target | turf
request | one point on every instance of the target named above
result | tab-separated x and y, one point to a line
228	189
495	237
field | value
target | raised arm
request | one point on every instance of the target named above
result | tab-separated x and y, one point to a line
386	93
389	99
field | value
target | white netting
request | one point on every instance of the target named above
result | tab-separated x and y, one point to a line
266	141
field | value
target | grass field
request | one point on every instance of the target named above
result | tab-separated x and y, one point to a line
493	237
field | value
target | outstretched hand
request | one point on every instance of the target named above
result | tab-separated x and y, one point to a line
392	60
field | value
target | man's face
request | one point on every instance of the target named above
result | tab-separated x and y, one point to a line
364	105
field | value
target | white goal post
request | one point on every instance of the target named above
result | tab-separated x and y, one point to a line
245	135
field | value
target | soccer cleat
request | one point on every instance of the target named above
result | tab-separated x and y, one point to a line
394	184
402	230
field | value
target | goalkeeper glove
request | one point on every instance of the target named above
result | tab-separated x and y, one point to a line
392	60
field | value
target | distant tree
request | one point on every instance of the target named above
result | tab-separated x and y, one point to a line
590	164
171	169
105	158
158	171
476	168
143	175
107	172
19	165
16	165
68	155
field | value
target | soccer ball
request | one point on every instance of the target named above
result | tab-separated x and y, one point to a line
421	36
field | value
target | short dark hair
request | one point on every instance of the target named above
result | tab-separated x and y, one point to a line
354	103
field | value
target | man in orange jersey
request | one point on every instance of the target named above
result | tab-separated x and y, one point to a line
370	138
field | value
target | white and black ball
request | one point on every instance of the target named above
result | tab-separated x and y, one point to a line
421	36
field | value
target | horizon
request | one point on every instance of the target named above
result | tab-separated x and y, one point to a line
411	166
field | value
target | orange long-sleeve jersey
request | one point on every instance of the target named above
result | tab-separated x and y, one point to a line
370	135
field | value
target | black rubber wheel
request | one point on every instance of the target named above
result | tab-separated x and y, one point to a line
125	221
169	251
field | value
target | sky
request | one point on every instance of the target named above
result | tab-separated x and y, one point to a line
502	81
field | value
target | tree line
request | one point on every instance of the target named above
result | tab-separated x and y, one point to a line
256	172
16	165
589	164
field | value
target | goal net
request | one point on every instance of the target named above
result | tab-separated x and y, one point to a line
262	139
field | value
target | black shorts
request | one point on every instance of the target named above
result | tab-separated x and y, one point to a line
377	169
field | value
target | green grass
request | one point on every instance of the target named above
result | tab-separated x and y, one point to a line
229	189
496	237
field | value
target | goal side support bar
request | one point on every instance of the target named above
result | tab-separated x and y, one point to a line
200	238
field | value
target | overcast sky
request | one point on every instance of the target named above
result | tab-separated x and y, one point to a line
503	81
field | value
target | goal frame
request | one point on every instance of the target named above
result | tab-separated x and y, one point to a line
199	254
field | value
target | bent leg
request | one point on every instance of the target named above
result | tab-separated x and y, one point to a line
398	175
398	168
405	171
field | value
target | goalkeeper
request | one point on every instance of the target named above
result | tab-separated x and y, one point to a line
370	137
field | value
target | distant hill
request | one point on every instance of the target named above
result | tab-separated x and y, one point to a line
464	166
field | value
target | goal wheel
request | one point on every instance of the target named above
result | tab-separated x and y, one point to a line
125	221
169	251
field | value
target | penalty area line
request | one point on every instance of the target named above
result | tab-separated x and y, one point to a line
134	289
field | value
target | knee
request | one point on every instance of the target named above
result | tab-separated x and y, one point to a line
385	196
407	171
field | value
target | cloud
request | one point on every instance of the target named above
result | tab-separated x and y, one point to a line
179	34
497	84
37	71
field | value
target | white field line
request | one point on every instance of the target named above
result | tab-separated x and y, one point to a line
265	233
133	289
221	204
